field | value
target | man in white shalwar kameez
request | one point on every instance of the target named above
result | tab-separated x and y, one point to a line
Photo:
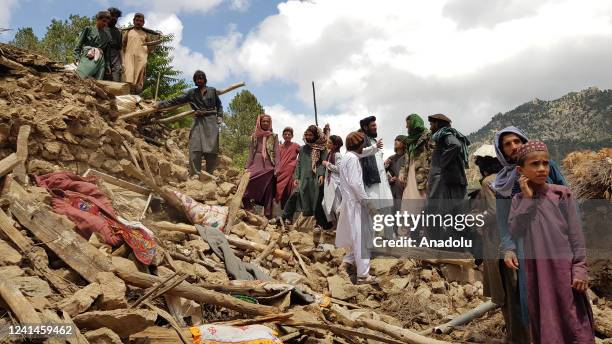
374	173
354	228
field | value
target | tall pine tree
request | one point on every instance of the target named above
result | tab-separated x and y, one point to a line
159	63
240	123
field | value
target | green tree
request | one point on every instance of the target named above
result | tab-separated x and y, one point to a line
160	63
25	38
240	123
62	36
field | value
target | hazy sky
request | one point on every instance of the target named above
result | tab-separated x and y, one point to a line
469	59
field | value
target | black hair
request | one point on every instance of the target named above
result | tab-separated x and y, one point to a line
289	129
139	15
488	165
337	141
199	74
115	12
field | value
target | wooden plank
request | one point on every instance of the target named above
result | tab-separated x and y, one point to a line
198	294
132	156
142	113
236	202
57	233
118	182
78	337
17	303
114	88
145	163
7	164
22	154
159	335
36	256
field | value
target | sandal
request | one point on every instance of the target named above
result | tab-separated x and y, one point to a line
369	279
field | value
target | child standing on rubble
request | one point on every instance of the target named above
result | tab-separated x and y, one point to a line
544	217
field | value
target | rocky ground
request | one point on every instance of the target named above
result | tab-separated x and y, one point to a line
74	126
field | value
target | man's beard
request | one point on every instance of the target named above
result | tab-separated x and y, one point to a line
372	134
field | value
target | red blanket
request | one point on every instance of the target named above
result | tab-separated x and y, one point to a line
87	206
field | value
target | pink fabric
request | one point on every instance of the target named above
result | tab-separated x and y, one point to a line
285	169
259	132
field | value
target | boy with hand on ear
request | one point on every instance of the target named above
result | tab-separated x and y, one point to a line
546	218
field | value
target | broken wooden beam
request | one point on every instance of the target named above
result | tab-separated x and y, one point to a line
301	262
20	171
57	233
344	331
236	202
118	182
17	303
142	113
7	164
36	256
397	332
195	293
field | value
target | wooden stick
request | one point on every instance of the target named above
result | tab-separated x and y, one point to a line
142	113
301	262
7	164
195	293
166	194
118	182
396	332
345	331
157	85
22	154
146	207
256	320
132	156
236	201
150	291
240	243
269	249
145	163
17	303
176	117
230	88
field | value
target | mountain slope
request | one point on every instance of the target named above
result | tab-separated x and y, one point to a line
578	120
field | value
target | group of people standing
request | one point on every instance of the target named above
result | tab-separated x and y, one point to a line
105	52
534	248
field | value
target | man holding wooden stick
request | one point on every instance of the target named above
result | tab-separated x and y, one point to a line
204	135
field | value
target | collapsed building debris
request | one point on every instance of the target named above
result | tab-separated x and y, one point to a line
51	121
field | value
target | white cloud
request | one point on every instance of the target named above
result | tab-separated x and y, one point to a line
175	6
239	5
5	14
469	59
456	57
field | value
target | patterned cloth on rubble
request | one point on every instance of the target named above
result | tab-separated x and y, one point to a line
208	216
222	334
91	211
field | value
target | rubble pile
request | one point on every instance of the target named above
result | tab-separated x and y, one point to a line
52	121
